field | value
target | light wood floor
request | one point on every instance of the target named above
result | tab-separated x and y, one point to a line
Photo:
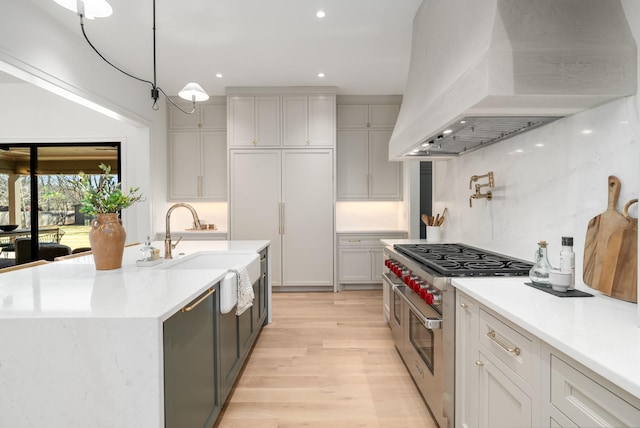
327	360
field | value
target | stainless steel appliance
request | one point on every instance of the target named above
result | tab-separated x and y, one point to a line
422	311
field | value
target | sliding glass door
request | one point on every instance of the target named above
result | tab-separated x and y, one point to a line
39	195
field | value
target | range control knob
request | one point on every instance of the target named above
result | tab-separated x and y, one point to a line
428	298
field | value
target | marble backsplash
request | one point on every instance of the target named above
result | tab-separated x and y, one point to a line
549	182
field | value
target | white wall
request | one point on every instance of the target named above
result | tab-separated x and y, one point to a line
31	114
48	55
549	182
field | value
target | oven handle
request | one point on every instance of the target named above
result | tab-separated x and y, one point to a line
430	323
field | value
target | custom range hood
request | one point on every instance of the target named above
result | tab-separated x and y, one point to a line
483	71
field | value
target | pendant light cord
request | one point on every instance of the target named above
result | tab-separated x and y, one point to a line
155	89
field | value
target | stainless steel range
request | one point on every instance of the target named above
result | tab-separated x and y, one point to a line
421	302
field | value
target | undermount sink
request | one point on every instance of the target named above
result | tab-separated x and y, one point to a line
221	260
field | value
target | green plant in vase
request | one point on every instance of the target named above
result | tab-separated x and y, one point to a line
103	198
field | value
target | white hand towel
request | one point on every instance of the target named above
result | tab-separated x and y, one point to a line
245	290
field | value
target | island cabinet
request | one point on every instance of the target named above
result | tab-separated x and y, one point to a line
191	392
204	351
498	370
197	152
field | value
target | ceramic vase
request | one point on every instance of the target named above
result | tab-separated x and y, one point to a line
107	237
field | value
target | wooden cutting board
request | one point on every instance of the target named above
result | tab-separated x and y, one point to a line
619	275
599	230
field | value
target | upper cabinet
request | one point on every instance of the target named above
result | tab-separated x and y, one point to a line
364	171
254	121
281	117
197	152
211	116
363	116
309	121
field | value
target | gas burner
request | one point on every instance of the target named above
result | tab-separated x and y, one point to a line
462	260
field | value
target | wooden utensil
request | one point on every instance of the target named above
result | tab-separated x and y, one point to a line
619	275
599	231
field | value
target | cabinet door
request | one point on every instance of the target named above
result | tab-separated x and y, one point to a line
184	165
213	116
467	330
213	184
354	116
355	265
255	201
191	397
383	116
295	131
377	266
353	165
267	121
241	121
322	121
308	239
180	120
229	353
501	403
385	176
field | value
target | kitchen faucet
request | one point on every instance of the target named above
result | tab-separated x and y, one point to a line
168	246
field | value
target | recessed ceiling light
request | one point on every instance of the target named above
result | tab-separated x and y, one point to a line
219	75
587	131
321	75
447	131
320	14
539	145
463	121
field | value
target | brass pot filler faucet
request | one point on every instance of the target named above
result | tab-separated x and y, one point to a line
478	194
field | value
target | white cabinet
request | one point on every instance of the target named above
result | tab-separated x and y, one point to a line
497	383
363	169
308	120
197	166
197	152
254	121
359	116
360	257
286	196
579	397
501	401
210	116
467	322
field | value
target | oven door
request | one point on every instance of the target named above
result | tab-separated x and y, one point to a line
424	357
397	319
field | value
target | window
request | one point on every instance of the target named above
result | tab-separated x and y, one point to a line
48	171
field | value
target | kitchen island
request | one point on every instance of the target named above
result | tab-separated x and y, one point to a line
84	348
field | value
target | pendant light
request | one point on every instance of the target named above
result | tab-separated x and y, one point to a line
91	9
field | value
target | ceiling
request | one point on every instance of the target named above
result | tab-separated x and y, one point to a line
362	46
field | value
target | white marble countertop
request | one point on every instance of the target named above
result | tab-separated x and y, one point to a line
600	332
75	289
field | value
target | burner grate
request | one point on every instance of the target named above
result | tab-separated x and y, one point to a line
463	260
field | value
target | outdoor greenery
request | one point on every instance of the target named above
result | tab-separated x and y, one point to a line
103	194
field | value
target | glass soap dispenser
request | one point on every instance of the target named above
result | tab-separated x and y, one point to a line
539	273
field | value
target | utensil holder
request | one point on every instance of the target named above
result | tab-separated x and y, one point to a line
433	235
